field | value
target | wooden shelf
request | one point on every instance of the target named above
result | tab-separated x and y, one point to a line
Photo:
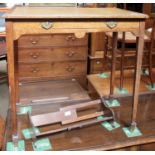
102	85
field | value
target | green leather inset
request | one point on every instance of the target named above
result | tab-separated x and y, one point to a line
122	91
42	145
24	110
112	103
20	147
28	133
104	75
136	132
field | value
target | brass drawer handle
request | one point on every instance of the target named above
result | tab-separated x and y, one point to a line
70	38
70	68
47	25
111	24
70	54
35	70
98	62
33	41
34	55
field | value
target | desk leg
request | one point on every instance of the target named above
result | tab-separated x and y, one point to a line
139	55
122	61
113	68
11	72
150	54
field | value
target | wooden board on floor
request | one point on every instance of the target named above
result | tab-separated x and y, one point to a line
96	137
102	85
44	92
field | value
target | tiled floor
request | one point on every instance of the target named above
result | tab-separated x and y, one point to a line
4	93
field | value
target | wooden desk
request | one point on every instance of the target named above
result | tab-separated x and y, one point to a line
78	21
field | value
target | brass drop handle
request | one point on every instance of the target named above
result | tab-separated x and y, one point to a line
98	62
70	68
70	37
34	55
47	25
34	41
73	38
70	54
111	24
35	70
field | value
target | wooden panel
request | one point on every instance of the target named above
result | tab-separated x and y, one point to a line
148	147
54	91
52	69
30	41
52	54
21	28
97	42
96	65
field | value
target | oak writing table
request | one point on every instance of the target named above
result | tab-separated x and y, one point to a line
37	21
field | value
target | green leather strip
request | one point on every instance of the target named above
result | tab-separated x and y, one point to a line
42	145
108	125
24	110
20	147
136	132
104	75
122	91
112	103
28	133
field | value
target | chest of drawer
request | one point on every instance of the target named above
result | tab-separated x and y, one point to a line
52	54
30	41
54	69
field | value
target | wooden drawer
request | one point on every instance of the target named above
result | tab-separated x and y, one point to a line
35	27
97	65
53	69
52	54
29	41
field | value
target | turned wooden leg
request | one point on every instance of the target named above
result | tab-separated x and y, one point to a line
122	61
106	48
113	63
12	79
150	54
139	56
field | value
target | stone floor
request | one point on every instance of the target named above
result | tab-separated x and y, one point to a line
4	92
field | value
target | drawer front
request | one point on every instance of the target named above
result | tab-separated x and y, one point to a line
35	27
29	41
52	54
97	65
53	69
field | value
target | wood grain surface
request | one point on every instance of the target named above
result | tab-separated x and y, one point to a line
73	13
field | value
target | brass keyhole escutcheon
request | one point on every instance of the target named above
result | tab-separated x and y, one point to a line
47	25
111	25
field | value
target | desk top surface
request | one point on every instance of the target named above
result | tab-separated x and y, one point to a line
27	12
